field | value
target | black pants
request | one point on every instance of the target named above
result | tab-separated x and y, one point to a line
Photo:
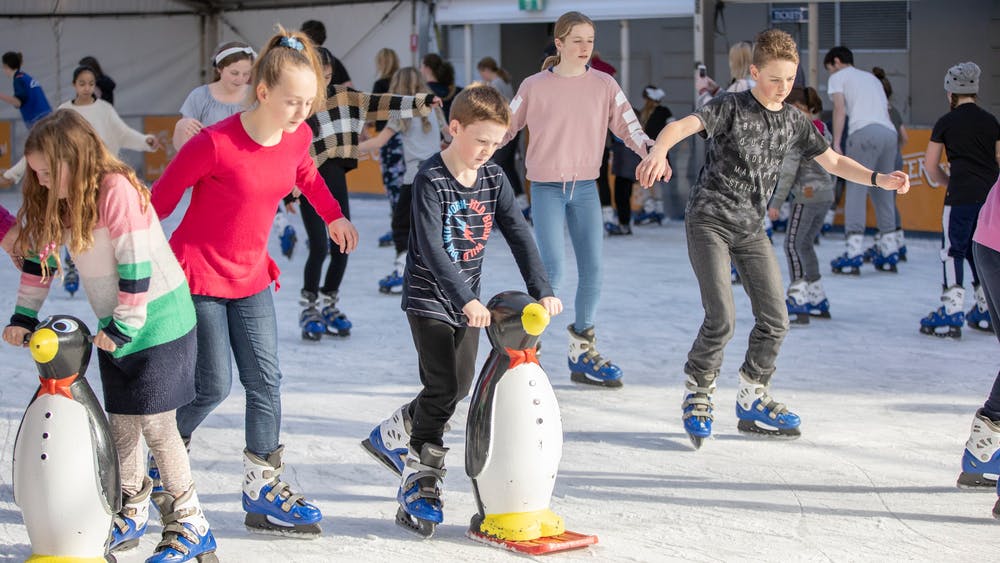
603	185
447	358
988	266
401	218
623	199
505	157
319	238
956	243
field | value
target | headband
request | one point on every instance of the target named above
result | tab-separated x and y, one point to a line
654	94
232	51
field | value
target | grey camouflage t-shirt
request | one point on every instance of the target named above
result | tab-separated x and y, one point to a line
747	143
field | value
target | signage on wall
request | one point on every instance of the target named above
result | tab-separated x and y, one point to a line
531	5
790	15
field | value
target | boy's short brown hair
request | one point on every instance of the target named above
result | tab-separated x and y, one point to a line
480	103
774	44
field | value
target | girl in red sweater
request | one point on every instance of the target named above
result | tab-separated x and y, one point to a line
240	168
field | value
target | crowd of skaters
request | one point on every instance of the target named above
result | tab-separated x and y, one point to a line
298	89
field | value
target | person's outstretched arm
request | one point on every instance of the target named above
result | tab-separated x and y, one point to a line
655	166
849	169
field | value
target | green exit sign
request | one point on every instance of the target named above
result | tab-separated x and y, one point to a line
531	5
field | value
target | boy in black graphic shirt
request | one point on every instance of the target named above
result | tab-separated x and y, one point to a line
749	133
459	196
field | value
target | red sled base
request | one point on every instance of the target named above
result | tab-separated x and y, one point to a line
552	544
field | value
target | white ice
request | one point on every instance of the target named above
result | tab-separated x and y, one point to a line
885	411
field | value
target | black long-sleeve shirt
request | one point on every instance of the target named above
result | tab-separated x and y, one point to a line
449	230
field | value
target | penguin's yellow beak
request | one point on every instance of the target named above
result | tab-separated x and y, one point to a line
44	345
534	319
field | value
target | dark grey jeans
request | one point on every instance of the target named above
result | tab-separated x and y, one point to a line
710	248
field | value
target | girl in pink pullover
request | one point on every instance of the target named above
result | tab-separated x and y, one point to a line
240	168
569	107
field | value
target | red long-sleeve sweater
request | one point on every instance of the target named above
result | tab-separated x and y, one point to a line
221	243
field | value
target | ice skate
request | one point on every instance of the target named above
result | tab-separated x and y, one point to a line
71	278
849	263
760	414
978	317
393	283
697	408
619	230
819	305
886	253
130	522
288	239
419	496
981	459
385	240
186	535
798	302
389	442
946	321
310	320
608	215
734	275
586	365
336	321
901	244
270	504
827	222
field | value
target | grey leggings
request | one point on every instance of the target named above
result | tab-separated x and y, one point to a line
804	224
164	441
873	146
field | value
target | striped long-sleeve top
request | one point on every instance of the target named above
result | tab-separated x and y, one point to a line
337	129
451	225
132	280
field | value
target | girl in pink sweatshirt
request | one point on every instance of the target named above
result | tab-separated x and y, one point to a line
240	168
569	107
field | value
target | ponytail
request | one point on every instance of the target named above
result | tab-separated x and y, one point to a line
564	25
287	49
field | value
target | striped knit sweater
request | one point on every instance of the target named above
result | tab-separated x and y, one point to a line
132	280
337	129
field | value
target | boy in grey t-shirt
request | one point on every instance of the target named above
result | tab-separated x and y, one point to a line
749	133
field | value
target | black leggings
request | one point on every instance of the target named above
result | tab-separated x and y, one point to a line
401	218
506	158
623	199
319	238
446	356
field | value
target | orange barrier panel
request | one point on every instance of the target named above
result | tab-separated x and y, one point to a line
6	143
366	178
163	127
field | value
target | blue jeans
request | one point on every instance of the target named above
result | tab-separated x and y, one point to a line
247	327
554	206
988	266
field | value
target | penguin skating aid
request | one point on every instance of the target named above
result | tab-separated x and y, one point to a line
514	437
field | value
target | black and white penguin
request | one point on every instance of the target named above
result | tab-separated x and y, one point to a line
66	477
514	430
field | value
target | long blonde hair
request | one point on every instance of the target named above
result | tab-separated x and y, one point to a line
65	137
408	82
564	25
287	49
740	59
386	62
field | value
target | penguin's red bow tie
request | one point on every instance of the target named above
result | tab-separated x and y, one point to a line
518	357
56	386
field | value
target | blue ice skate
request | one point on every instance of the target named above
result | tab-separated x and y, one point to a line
288	239
870	253
586	365
734	275
886	262
271	505
820	309
902	253
979	319
940	323
385	240
419	495
848	265
981	459
648	217
798	313
311	321
393	283
760	414
779	226
337	323
71	278
130	523
186	535
153	472
697	408
389	442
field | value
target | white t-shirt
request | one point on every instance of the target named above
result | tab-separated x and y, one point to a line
864	98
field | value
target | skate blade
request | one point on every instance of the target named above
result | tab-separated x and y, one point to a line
581	378
209	557
750	428
367	445
799	319
390	290
696	441
847	272
338	333
952	332
889	269
423	528
126	545
975	482
980	328
820	315
312	336
259	524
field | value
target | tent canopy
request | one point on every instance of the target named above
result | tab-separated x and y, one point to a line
134	8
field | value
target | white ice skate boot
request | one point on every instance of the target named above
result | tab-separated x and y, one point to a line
981	459
760	414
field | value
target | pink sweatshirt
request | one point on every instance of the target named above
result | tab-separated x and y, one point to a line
221	242
568	118
988	228
7	221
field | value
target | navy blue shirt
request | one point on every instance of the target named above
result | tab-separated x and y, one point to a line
450	226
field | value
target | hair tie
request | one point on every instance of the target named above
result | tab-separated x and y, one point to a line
292	43
48	250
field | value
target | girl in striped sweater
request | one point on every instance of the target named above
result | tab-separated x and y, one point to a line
82	196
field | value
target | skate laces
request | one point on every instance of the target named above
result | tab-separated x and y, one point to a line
174	528
281	489
699	401
426	478
767	403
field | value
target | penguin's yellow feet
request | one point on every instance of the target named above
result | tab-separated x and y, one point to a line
35	558
523	526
